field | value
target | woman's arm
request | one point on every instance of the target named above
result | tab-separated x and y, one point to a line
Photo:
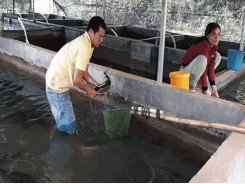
211	76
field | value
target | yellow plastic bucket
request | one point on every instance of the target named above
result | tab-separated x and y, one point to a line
180	79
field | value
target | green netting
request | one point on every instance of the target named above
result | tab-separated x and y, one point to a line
117	119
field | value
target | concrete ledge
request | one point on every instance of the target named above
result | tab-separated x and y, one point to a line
225	78
227	165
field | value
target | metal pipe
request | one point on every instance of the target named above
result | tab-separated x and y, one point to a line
242	37
162	42
104	10
96	7
33	11
13	7
2	17
145	39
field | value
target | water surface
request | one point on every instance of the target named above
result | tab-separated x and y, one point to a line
29	154
234	91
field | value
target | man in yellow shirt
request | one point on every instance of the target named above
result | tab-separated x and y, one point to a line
69	68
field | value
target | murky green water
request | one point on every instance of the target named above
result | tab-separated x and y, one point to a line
29	154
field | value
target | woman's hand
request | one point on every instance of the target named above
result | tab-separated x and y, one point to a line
214	91
207	92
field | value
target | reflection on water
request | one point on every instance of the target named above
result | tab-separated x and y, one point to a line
56	160
29	154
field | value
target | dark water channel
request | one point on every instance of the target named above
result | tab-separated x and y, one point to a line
29	154
235	91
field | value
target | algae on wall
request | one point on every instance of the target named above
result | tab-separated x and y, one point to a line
186	17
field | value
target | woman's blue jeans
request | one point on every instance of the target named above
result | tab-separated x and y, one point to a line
62	110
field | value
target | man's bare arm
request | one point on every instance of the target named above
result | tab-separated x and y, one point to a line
79	77
89	79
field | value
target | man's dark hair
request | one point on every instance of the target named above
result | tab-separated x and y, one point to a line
95	23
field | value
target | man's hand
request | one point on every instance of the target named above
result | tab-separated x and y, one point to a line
79	77
92	93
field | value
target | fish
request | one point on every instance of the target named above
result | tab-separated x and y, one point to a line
103	87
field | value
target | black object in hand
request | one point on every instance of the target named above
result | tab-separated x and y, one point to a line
103	87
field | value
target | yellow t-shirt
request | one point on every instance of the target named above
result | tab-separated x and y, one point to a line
76	53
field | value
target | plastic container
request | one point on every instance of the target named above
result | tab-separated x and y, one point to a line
235	59
180	79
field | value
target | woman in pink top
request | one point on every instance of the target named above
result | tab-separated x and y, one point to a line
202	58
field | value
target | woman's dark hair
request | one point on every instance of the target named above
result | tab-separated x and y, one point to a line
95	23
209	28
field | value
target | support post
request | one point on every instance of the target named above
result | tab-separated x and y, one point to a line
13	7
33	5
162	42
242	37
96	7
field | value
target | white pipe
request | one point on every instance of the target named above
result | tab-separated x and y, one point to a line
114	32
23	27
242	37
162	42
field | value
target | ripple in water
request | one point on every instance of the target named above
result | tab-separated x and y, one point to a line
235	91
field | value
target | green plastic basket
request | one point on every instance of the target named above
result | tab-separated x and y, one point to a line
117	119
